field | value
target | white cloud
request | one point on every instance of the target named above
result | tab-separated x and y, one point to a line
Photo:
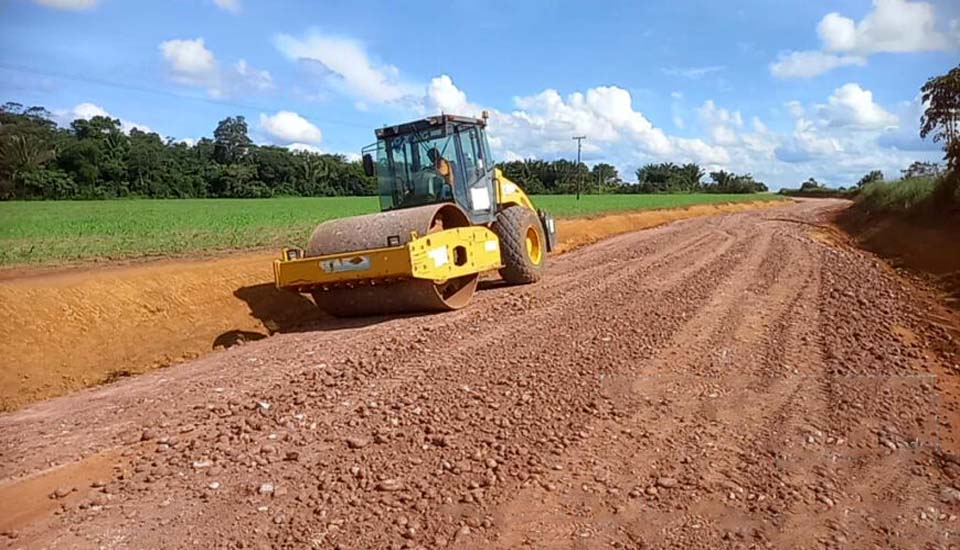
811	63
347	67
807	144
68	4
720	124
443	96
305	147
191	63
848	135
289	127
850	105
88	110
893	26
542	125
232	6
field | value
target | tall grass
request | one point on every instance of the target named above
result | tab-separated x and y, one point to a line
906	195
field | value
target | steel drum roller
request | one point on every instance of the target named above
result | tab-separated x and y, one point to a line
372	231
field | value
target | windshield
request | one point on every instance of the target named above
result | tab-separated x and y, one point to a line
416	168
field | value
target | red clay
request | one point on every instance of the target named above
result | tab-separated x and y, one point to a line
730	381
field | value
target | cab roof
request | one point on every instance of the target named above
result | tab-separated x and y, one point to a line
428	123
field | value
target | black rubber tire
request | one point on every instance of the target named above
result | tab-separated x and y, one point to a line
511	227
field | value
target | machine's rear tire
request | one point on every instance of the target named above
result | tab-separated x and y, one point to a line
522	245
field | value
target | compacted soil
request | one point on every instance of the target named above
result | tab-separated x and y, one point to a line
742	380
77	326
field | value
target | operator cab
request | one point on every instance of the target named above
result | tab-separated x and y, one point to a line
444	158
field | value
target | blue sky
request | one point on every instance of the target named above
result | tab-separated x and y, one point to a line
784	90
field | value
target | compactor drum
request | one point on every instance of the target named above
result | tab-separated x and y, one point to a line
447	216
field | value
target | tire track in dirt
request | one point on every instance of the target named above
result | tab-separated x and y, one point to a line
685	386
660	528
712	325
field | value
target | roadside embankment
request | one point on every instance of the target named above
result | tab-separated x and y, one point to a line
922	242
76	328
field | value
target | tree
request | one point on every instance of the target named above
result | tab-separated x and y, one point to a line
605	176
874	175
231	142
920	169
941	118
810	185
722	179
28	142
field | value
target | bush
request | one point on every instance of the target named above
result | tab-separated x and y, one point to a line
909	194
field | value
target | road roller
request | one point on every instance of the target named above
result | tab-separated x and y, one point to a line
447	215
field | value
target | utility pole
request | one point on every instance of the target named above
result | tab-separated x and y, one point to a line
599	178
579	175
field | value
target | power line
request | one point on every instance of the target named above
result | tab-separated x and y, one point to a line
143	89
579	173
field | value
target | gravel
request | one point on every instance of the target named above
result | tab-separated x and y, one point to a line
657	389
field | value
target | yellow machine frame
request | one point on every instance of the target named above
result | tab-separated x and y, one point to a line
438	256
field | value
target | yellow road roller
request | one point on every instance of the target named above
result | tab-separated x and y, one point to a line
447	215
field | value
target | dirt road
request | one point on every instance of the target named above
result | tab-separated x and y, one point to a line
743	380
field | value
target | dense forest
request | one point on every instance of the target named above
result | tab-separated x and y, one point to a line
96	159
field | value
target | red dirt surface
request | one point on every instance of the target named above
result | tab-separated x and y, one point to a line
926	245
742	380
79	327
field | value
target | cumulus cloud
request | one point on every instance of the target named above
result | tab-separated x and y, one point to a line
290	127
443	96
75	5
720	124
345	65
88	110
848	135
806	144
892	26
852	106
832	140
191	63
543	124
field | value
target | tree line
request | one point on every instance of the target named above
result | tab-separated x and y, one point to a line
562	176
96	159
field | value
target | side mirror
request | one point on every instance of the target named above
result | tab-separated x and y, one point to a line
368	165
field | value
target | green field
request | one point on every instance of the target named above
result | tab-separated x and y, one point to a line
70	231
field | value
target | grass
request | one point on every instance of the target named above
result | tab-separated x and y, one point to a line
904	195
70	231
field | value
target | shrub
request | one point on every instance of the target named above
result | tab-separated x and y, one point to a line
904	195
